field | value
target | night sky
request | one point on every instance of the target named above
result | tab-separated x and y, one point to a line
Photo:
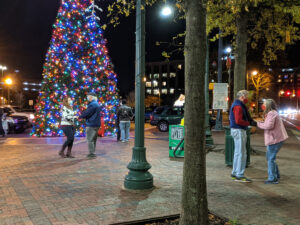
26	28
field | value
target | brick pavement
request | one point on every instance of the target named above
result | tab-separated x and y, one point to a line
38	187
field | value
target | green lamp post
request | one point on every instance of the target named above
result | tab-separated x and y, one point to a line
138	177
208	136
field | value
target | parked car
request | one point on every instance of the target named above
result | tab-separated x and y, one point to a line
148	112
163	116
15	123
16	111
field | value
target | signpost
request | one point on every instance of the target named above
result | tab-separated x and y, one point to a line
220	96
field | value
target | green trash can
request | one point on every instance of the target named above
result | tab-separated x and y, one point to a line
176	141
229	146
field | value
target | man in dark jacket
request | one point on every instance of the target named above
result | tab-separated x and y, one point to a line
125	114
240	119
92	115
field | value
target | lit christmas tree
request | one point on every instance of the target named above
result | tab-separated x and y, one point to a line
76	63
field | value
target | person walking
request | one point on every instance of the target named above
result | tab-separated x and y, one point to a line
240	119
67	125
125	114
274	135
92	115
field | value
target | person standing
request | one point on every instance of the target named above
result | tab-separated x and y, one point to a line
274	134
92	115
240	119
125	114
67	125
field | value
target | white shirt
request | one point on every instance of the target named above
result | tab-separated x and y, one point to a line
68	116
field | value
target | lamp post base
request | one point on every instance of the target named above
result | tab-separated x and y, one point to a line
138	177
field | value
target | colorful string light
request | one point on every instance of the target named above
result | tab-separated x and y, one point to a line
76	63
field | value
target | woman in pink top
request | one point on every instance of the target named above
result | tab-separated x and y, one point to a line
275	134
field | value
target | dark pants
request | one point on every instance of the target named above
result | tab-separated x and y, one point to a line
69	131
118	130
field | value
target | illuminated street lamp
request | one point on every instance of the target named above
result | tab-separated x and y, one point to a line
253	73
8	82
2	68
166	11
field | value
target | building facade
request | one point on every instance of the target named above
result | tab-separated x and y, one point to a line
165	80
288	83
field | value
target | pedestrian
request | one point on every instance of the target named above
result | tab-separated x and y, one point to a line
92	115
274	135
118	125
2	132
125	114
67	125
240	119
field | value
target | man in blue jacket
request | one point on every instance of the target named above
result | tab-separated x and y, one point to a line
92	115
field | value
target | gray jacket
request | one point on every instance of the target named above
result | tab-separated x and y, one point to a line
124	113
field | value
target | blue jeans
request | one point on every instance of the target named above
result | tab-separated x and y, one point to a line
273	171
124	127
240	152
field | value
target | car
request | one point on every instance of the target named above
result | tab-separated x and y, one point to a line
16	111
14	123
148	112
163	116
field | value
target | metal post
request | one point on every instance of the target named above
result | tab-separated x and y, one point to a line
138	176
219	119
208	140
2	91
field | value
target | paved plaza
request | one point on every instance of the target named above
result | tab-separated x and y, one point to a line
38	187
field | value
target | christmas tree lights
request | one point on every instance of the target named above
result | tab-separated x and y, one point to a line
76	63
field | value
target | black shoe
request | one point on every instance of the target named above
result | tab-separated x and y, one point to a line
271	182
91	156
243	179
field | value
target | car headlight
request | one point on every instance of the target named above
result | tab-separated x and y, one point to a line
31	116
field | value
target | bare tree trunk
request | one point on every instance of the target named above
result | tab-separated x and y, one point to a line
194	195
257	99
240	53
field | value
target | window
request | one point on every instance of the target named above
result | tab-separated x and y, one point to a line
179	66
286	77
172	111
164	91
165	75
155	83
279	76
148	91
164	83
172	91
172	74
148	84
156	75
279	80
156	91
291	80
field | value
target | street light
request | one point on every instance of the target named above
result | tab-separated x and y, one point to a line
166	11
138	177
2	93
253	73
8	82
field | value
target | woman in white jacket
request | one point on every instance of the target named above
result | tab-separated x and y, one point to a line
67	125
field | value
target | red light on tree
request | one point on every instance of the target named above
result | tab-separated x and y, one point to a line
288	93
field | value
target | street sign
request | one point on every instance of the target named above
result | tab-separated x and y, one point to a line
220	96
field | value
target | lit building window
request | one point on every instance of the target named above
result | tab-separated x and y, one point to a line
165	75
25	83
172	74
172	91
164	91
150	76
25	89
155	83
156	91
279	80
179	66
279	76
286	81
148	84
291	80
149	91
156	75
164	83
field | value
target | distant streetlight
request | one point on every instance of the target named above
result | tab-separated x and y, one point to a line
228	50
2	68
166	11
253	73
8	82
